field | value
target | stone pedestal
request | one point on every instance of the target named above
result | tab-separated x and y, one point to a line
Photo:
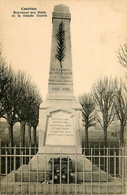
59	128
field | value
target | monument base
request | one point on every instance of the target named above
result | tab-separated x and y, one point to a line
60	127
79	161
60	150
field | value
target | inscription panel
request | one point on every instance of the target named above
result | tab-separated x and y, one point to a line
55	75
60	89
60	129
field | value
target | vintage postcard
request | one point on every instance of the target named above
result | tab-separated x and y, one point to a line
63	97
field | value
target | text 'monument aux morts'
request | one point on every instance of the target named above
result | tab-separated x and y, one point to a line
29	12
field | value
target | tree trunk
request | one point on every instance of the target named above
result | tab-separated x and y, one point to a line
22	133
105	136
10	128
34	134
121	133
29	134
86	136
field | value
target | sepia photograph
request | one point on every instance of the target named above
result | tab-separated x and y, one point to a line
63	97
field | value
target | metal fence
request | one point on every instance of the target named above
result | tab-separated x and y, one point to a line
99	170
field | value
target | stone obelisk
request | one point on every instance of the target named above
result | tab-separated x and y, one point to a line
60	118
60	84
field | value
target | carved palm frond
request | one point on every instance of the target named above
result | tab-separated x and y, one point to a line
60	36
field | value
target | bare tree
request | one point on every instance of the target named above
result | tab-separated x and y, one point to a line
3	87
19	99
122	55
33	115
88	107
9	94
23	106
5	79
7	97
103	92
120	102
10	99
26	105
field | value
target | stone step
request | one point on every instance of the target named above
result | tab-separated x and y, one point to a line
23	174
94	177
10	176
33	176
86	188
23	167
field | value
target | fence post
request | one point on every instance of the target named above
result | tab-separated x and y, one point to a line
104	159
6	170
83	174
99	153
109	154
35	149
107	171
68	167
91	170
89	148
60	173
0	163
20	153
25	154
94	153
107	166
37	186
14	166
125	162
99	170
120	161
124	165
52	165
45	173
22	173
115	169
11	149
123	170
29	170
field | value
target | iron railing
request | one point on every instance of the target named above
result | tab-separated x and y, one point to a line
99	170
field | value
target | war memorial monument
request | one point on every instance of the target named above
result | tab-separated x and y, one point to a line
60	120
60	114
60	133
60	117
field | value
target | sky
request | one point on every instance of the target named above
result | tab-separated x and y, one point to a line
98	28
